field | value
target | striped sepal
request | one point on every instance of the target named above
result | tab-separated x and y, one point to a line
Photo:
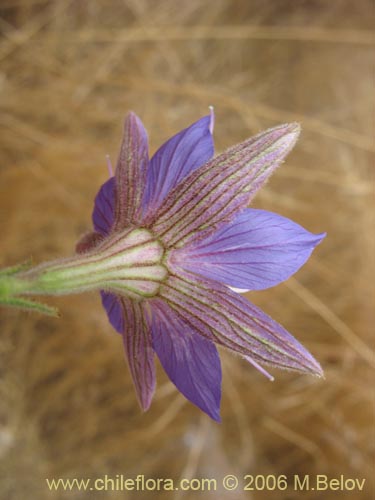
214	192
139	351
229	319
131	172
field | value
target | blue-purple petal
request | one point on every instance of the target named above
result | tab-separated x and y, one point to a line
112	305
104	207
175	159
256	250
190	360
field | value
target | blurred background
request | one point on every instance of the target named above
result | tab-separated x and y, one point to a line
69	72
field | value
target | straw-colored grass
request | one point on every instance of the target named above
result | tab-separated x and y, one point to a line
69	72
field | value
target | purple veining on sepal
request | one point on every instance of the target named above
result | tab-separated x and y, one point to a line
228	319
112	305
131	172
191	362
255	251
104	208
139	351
214	192
175	159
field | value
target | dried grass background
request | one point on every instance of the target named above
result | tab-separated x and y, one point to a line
69	72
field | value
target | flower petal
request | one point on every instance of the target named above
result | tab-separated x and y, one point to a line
190	360
214	192
227	318
256	250
131	172
113	307
104	208
127	317
178	157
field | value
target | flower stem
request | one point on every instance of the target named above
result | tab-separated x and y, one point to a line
11	286
128	263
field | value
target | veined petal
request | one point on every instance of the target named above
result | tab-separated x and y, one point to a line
190	360
104	208
230	320
175	159
131	171
256	250
214	192
128	318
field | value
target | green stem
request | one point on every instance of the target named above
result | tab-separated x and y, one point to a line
128	263
11	286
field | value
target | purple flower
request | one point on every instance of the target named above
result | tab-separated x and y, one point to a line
191	243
